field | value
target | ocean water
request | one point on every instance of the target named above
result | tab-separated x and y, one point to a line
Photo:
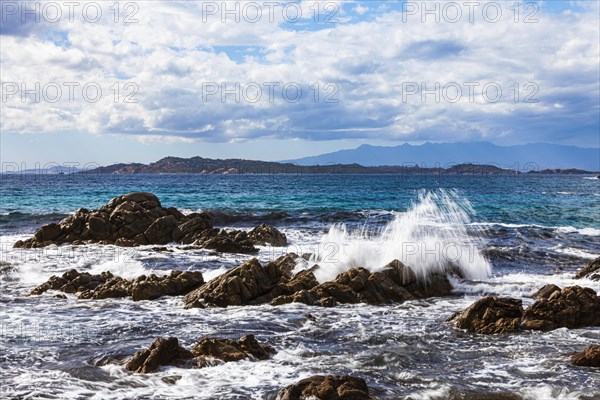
510	235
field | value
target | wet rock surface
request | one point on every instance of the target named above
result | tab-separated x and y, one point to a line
208	351
490	315
252	283
590	271
328	387
571	307
139	219
106	285
590	357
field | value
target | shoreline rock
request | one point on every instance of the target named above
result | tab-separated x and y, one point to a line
590	271
590	357
106	285
168	352
252	283
139	219
571	307
330	387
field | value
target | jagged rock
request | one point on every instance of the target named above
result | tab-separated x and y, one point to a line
106	285
490	315
139	219
164	352
590	357
266	234
252	283
160	353
571	307
327	388
590	271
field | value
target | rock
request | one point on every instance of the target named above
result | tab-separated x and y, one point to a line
571	307
252	283
160	353
139	219
590	357
208	350
490	315
327	388
546	292
267	234
106	285
590	271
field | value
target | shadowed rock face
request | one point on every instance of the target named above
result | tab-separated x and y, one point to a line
590	271
490	315
207	351
274	283
590	357
139	219
327	388
571	307
106	285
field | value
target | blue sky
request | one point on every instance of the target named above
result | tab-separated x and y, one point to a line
300	78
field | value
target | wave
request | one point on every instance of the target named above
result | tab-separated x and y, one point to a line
17	216
433	235
564	229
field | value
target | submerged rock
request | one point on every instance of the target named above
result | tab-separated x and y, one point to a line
168	352
139	219
490	315
274	283
590	271
590	357
106	285
571	307
328	387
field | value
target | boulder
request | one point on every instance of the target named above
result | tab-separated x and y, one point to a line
490	315
327	388
590	271
160	353
546	292
590	357
106	285
206	352
267	234
139	219
571	307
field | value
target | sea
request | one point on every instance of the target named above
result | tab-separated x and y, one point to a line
508	234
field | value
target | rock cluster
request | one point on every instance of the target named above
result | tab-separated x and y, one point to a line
327	388
590	357
106	285
167	351
571	307
252	283
139	219
590	271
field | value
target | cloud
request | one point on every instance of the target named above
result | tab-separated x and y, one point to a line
182	73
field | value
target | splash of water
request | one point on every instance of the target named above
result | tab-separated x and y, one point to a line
434	235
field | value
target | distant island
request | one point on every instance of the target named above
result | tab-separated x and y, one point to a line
208	166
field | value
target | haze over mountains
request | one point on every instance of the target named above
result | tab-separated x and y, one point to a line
526	157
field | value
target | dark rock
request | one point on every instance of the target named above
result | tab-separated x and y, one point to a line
106	285
160	353
208	350
267	234
571	307
139	219
590	357
490	315
546	292
590	271
327	388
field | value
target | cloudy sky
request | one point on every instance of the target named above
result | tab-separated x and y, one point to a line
94	82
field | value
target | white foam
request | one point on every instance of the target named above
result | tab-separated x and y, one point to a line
429	237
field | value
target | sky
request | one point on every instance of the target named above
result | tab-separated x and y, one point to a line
134	81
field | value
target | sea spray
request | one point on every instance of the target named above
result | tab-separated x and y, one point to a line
434	235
